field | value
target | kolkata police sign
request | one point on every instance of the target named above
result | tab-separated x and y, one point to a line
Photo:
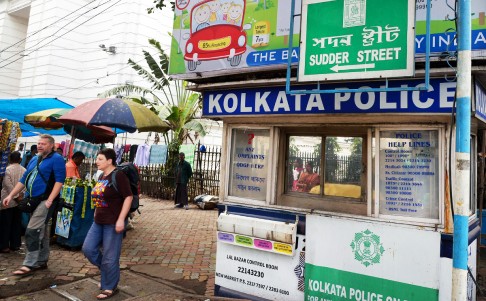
356	39
274	101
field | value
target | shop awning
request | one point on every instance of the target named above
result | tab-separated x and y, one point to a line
16	108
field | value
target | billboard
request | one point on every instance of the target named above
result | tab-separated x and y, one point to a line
216	37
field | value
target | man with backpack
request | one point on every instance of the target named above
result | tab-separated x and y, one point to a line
183	172
43	180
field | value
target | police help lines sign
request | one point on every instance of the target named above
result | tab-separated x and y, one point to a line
356	39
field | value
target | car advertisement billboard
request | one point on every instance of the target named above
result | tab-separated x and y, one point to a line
216	37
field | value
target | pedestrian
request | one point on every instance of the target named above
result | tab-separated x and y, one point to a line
10	216
43	180
102	246
183	172
29	155
72	166
21	149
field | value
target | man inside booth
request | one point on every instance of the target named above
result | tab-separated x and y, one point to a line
72	166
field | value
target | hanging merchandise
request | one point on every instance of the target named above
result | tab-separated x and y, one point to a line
63	223
158	154
119	153
133	152
88	149
142	157
188	150
8	141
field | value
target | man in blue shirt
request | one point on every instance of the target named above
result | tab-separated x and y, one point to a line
43	179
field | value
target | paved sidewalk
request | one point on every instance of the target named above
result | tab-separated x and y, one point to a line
168	243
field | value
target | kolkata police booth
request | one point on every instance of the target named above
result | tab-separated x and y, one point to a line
332	196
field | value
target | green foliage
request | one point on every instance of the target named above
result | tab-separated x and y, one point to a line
160	4
167	97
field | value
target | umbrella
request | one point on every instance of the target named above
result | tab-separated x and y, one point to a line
91	133
46	119
117	113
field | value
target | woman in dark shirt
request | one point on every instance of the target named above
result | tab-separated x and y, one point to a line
102	245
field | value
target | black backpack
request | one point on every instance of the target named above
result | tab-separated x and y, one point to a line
131	171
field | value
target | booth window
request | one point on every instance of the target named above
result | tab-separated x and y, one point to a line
409	172
249	160
337	166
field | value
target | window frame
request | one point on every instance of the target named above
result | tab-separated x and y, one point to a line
270	177
321	201
441	153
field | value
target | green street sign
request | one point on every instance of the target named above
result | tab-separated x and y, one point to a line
356	39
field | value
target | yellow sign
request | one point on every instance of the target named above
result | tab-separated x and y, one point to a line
282	248
261	34
214	44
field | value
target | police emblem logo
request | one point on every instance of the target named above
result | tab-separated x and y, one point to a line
367	248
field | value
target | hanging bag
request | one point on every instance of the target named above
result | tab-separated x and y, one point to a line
29	204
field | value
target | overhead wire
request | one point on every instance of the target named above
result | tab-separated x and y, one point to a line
58	37
45	27
97	80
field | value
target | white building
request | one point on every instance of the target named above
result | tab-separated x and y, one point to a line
74	50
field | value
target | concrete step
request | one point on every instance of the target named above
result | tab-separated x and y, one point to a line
45	295
131	285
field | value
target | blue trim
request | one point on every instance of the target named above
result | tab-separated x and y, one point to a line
448	239
463	112
459	247
221	291
265	213
464	27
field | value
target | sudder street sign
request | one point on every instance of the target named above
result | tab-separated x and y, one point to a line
356	39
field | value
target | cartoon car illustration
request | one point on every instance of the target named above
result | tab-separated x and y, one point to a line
216	32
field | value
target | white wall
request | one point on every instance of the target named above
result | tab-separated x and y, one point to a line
64	60
12	32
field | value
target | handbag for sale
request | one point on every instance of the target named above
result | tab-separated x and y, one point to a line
28	204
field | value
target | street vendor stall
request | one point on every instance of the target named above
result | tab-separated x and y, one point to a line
75	218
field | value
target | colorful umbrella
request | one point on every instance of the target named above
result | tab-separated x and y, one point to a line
46	119
91	133
117	113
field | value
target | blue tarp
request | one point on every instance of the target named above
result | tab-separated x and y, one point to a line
15	110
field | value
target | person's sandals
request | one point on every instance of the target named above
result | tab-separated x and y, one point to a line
41	267
107	294
23	271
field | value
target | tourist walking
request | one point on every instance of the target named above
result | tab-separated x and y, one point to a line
43	181
102	246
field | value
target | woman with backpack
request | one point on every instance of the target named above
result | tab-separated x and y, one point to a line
102	246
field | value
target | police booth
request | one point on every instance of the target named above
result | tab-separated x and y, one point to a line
335	186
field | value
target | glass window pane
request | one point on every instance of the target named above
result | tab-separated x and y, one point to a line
409	173
304	159
343	166
249	163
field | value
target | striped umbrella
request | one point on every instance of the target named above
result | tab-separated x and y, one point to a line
116	113
46	119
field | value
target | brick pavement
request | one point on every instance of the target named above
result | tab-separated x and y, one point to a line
175	241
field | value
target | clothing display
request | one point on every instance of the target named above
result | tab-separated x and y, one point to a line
143	154
133	152
158	154
88	149
9	133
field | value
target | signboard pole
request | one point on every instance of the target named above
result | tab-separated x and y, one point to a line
463	160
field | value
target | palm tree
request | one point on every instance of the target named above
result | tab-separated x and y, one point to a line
178	107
